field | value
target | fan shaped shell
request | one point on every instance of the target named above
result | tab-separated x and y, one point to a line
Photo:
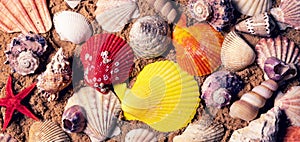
72	26
5	137
163	96
101	111
24	16
252	7
140	135
292	134
72	3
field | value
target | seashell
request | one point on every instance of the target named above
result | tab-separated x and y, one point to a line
5	137
199	10
101	110
107	59
72	3
247	107
58	75
74	119
292	134
287	14
163	96
197	47
219	87
47	131
113	15
289	103
140	135
72	26
252	7
262	129
24	51
166	8
261	25
277	70
25	16
236	53
149	37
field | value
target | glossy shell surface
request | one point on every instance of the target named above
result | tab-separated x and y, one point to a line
74	119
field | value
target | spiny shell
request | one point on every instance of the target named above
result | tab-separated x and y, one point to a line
252	7
140	135
24	16
149	37
24	51
261	25
47	131
166	8
199	10
72	3
74	119
101	110
113	15
5	137
236	53
219	87
72	26
292	134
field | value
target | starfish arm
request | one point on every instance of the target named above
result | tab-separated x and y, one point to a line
26	112
3	101
9	92
8	115
25	92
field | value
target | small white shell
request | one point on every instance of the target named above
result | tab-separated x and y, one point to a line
72	26
140	135
252	7
72	3
199	10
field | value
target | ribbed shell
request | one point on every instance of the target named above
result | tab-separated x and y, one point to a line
166	8
72	3
252	7
140	135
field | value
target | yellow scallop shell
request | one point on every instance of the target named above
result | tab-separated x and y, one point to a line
163	96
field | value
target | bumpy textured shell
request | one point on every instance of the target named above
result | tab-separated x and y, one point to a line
74	119
101	110
24	16
199	10
24	51
107	59
163	96
292	134
72	26
72	3
140	135
47	131
252	7
113	15
5	137
219	87
149	37
166	9
236	53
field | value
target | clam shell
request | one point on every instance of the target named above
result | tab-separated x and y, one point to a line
163	96
5	137
166	8
292	134
72	26
149	37
199	10
252	7
25	16
102	112
113	15
140	135
236	53
72	3
47	131
107	59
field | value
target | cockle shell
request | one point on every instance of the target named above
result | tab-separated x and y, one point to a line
163	96
252	7
101	110
113	15
5	137
74	119
236	53
289	103
166	8
219	87
47	131
292	134
149	37
140	135
287	14
72	3
263	129
107	59
199	10
72	26
24	16
24	51
261	25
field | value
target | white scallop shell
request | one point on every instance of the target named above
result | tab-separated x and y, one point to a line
72	3
252	7
102	112
72	26
236	54
140	135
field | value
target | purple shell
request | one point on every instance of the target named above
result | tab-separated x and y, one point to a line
277	70
218	88
74	119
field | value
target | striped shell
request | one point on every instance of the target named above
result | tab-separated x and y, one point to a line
252	7
166	8
72	3
140	135
199	10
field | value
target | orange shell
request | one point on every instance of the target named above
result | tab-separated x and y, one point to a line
292	134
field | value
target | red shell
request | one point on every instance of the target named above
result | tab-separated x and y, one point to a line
112	68
292	134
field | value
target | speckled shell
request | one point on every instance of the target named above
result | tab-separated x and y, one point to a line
72	26
219	87
252	7
5	137
74	119
24	16
140	135
287	14
261	25
292	134
24	51
101	110
72	3
199	10
165	8
149	37
47	131
236	53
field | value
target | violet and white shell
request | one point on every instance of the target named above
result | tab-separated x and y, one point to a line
24	52
74	119
199	10
166	8
140	135
252	7
219	87
277	70
149	37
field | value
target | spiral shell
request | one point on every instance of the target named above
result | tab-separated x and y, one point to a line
140	135
165	8
252	7
74	119
199	10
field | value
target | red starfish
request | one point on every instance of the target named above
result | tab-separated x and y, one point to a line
12	103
